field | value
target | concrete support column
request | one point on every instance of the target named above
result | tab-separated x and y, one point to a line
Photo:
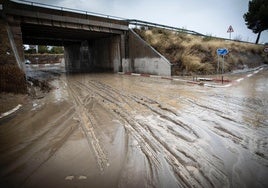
123	50
86	56
98	55
107	54
78	57
116	54
71	57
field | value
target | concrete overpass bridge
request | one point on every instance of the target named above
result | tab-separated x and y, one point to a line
91	42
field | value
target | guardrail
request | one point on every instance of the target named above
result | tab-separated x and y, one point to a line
150	24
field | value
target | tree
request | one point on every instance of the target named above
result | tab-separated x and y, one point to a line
257	17
42	49
57	50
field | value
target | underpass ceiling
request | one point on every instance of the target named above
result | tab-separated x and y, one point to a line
47	35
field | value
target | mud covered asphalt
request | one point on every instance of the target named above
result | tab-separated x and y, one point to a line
110	130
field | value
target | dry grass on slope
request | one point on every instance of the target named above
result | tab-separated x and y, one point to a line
192	54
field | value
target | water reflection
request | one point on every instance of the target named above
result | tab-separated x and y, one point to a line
60	92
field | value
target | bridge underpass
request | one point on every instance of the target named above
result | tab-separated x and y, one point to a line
84	51
91	43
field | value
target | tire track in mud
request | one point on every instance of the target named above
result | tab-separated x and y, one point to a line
183	164
57	145
228	124
32	141
40	148
151	144
170	116
214	111
87	123
110	102
153	106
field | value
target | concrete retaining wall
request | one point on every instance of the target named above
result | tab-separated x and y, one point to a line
157	66
143	58
44	58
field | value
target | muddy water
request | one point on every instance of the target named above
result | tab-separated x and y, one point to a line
108	130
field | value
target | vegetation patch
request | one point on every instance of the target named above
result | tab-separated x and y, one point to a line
191	54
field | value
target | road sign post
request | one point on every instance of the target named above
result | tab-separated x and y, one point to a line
222	68
218	64
230	30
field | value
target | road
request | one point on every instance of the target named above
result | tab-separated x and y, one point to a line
110	130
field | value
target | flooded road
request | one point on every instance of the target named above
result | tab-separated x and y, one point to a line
110	130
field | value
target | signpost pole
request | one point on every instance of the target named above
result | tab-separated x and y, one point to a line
218	64
230	30
222	64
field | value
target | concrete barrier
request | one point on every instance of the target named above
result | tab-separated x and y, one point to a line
143	58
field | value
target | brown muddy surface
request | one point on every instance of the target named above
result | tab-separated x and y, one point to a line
9	100
110	130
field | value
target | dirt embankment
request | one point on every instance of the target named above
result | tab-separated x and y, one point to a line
38	85
192	54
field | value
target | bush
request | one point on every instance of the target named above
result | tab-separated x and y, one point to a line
57	50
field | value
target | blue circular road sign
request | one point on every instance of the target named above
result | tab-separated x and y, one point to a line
222	51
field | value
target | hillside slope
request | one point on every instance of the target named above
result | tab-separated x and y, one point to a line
192	54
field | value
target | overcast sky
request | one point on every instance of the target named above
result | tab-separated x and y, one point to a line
211	17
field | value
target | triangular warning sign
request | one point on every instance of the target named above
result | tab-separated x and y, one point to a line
230	29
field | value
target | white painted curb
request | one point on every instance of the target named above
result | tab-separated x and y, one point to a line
11	111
